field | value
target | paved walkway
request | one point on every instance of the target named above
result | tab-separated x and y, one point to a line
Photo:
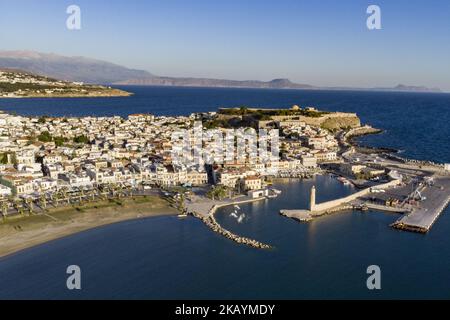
422	218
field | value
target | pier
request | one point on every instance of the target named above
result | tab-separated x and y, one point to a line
419	217
346	203
422	218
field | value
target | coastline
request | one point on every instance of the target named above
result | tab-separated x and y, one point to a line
353	141
20	233
113	95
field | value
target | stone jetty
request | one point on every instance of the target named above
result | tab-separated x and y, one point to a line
205	210
211	222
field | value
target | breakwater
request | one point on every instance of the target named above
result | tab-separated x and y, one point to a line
318	208
332	206
416	162
212	223
207	216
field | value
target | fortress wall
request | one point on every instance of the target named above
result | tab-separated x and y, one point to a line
334	120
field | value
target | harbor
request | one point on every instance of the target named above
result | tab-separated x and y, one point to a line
418	195
204	209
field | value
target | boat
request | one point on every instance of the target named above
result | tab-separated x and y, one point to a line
344	180
237	207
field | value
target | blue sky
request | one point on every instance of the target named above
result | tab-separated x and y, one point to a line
317	42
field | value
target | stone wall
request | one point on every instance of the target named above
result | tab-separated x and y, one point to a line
320	207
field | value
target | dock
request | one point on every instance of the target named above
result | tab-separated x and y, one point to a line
422	218
300	215
417	218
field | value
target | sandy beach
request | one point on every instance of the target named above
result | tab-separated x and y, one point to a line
21	232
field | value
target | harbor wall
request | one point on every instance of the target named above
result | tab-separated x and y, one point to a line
319	207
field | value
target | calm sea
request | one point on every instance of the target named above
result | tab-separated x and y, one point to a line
165	257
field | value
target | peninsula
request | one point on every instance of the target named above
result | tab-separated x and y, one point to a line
20	84
60	175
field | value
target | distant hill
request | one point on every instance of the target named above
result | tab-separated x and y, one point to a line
205	82
402	87
69	68
398	88
97	71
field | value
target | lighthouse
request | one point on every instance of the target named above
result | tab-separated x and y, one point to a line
312	198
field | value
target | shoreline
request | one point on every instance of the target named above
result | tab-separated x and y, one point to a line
21	233
352	139
128	94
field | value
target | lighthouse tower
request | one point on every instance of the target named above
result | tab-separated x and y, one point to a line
312	198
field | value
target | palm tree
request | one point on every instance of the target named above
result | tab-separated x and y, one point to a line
103	192
5	206
55	198
113	189
43	201
18	206
65	195
92	194
29	203
81	195
181	206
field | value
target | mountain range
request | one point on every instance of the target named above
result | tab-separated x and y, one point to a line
82	69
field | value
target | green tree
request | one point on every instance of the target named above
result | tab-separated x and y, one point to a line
81	139
4	158
42	120
45	137
59	141
217	192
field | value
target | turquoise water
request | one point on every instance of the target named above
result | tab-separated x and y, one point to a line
166	257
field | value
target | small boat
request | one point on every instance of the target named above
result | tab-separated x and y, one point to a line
344	181
241	218
276	191
237	207
234	215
